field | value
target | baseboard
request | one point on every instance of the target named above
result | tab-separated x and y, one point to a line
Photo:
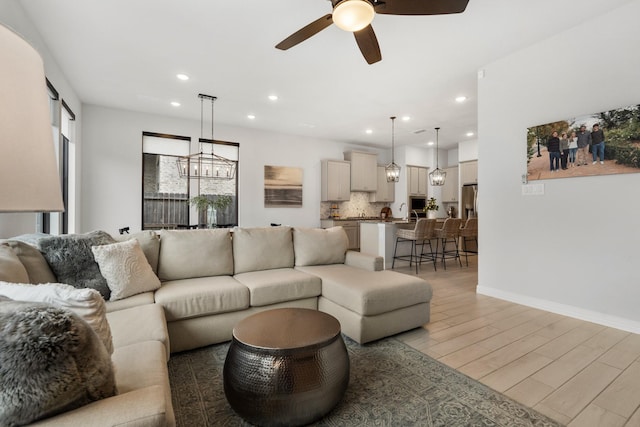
563	309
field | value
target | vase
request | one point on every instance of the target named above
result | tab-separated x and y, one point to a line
432	214
212	217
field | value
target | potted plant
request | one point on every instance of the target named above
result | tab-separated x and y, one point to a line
431	208
210	206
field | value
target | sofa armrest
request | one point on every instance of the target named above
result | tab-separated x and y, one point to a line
364	261
138	408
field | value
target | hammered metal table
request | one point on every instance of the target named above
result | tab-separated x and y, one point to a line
286	367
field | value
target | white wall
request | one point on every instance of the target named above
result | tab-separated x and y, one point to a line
112	162
467	151
572	250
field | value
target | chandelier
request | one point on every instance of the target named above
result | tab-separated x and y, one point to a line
203	165
392	170
438	176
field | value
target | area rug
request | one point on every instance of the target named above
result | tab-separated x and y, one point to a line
391	384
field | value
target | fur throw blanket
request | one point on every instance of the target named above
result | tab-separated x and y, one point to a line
51	361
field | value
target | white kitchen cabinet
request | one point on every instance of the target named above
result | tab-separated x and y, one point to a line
450	187
335	181
469	172
364	170
417	180
385	191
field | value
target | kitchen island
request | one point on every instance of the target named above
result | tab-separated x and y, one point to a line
379	238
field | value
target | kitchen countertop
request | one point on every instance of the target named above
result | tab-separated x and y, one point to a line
371	219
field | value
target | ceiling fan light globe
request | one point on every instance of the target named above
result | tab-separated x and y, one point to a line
353	15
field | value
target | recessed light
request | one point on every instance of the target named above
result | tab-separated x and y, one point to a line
461	99
250	116
430	143
182	77
175	103
273	97
469	133
406	118
369	131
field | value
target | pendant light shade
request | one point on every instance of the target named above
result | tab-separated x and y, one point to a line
353	15
438	176
203	165
392	170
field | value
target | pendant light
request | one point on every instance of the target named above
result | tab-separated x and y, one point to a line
203	165
438	176
392	169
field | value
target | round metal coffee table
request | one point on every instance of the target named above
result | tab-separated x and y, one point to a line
286	367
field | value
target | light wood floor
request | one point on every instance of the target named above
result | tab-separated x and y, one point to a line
578	373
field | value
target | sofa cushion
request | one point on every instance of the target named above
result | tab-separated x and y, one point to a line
317	246
279	285
71	259
151	325
369	292
86	303
125	268
51	361
141	365
33	261
136	372
149	242
132	301
195	253
11	269
262	249
202	296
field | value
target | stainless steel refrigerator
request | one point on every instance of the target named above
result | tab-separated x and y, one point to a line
469	201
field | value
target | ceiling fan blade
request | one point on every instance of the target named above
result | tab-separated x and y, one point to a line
368	44
420	7
304	33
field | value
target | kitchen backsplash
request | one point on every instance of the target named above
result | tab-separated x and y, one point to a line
357	206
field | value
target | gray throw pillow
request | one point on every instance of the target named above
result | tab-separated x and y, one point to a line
72	261
51	361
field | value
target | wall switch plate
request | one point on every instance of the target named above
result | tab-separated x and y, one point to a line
533	190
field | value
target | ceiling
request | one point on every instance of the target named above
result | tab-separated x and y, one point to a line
126	54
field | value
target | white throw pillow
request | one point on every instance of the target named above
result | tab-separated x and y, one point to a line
85	302
126	269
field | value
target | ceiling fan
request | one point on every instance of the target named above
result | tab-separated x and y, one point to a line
356	16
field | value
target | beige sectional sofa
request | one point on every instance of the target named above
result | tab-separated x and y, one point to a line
211	279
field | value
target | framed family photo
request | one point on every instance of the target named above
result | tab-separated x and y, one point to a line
603	143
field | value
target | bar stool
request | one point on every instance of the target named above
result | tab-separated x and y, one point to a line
469	233
449	233
429	235
414	236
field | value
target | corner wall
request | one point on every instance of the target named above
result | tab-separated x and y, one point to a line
572	250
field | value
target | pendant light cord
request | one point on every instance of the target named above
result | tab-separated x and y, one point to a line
393	133
437	141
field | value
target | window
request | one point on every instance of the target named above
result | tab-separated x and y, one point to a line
63	130
165	196
215	189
